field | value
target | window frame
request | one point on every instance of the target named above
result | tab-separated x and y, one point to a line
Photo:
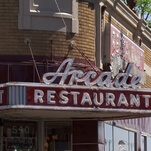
32	19
113	136
56	133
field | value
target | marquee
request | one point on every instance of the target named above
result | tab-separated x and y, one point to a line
68	90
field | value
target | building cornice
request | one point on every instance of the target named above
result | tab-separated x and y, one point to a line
119	8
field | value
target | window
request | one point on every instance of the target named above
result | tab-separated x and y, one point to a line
132	141
145	143
142	143
19	135
148	143
108	138
124	139
54	15
118	139
57	136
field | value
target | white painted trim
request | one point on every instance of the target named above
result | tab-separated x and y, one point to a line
51	14
88	110
98	33
30	18
120	8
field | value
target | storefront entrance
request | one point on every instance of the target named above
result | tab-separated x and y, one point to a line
57	136
46	135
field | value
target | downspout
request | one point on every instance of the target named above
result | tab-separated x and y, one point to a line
99	16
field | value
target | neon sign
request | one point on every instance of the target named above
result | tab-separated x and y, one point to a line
91	78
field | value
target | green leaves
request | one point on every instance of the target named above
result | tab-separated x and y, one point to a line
149	24
144	9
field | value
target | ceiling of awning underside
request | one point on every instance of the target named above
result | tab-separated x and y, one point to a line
18	113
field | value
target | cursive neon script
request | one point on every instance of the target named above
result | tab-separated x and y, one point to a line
91	78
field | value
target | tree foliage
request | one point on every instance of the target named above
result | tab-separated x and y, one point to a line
144	9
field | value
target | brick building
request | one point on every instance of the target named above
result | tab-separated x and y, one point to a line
36	37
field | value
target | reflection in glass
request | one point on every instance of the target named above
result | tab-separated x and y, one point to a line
142	143
19	136
108	138
131	141
121	139
58	136
118	139
148	143
121	145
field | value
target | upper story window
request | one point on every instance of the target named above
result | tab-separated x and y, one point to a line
47	5
54	15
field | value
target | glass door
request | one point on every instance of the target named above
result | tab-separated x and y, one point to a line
57	136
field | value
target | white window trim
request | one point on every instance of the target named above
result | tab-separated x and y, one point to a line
27	13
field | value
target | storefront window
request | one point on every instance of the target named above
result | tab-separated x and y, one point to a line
148	143
131	141
57	136
145	143
20	136
118	139
142	143
108	138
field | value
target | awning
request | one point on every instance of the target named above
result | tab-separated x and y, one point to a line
38	100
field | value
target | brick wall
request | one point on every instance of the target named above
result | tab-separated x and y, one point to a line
12	39
109	19
147	59
147	52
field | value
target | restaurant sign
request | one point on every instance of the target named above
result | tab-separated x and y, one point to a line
74	88
89	98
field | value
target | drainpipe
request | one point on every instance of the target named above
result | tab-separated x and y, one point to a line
99	14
